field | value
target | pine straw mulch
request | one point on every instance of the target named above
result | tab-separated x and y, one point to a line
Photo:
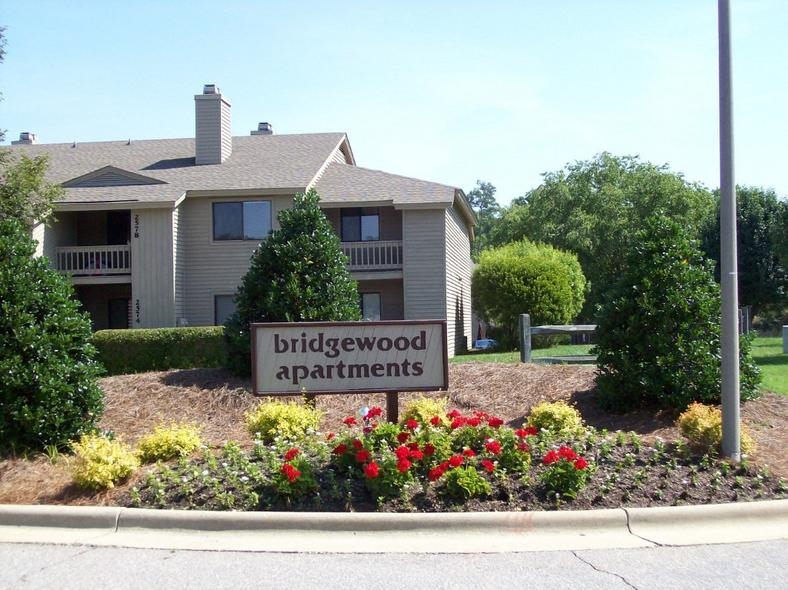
135	404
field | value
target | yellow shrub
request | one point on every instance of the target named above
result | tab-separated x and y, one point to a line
423	409
100	462
559	418
702	426
168	442
289	420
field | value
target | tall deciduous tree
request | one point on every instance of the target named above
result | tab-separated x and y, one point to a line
482	199
25	194
762	230
593	208
297	274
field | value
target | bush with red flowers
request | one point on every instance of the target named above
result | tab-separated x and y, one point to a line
565	472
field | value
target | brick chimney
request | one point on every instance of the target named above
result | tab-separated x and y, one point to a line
25	138
213	135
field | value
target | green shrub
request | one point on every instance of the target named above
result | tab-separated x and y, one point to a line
297	274
565	472
289	420
169	442
558	418
524	277
49	391
423	409
159	349
463	483
658	331
101	462
702	426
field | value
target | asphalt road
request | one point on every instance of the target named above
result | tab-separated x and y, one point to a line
759	565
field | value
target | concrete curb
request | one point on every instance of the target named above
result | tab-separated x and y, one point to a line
387	532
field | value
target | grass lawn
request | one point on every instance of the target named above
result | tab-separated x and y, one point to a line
767	352
514	356
768	355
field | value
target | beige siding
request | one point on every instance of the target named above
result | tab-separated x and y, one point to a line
391	303
61	232
423	253
38	236
213	268
458	281
152	294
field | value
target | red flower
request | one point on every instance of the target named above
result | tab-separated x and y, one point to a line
403	436
362	456
580	463
402	452
416	454
435	473
357	443
429	449
488	465
523	447
291	454
403	465
531	431
550	457
374	412
454	414
350	421
330	436
412	424
290	472
371	470
340	449
567	453
493	446
521	432
475	421
495	422
458	422
468	452
435	421
455	460
413	446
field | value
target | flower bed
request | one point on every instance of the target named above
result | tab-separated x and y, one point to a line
449	461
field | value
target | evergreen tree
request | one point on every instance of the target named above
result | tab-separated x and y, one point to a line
49	392
297	274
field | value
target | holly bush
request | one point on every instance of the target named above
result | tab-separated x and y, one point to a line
49	393
658	330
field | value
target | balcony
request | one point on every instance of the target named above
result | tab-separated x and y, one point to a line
92	261
373	256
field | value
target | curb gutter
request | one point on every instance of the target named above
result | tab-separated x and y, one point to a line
394	532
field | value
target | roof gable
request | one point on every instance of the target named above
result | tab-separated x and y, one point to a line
110	176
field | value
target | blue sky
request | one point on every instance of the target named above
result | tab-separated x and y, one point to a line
446	91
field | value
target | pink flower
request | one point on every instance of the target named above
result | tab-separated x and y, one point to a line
291	454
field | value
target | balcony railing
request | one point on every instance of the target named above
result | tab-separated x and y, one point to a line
383	255
94	260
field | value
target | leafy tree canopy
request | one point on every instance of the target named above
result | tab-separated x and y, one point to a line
24	192
297	274
593	208
762	232
482	199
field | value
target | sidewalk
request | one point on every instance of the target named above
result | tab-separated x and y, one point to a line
395	533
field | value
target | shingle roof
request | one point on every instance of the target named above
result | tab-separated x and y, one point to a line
257	162
341	183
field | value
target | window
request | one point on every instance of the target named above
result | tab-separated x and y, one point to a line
245	220
360	225
370	307
223	308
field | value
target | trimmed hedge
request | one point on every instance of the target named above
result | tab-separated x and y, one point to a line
159	349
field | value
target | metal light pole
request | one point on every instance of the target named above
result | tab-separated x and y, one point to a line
728	269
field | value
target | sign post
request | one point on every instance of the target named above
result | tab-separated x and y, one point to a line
316	358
